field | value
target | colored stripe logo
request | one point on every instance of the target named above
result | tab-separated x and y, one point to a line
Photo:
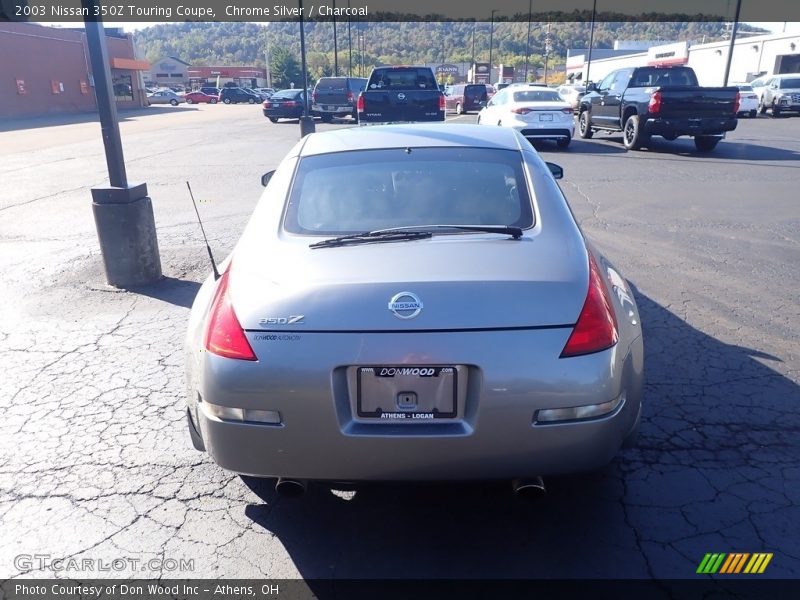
734	563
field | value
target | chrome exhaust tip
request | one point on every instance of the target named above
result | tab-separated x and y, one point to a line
529	488
291	488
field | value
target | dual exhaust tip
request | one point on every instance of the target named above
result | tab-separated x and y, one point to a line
524	488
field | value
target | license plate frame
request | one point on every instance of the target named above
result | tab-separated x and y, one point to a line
546	117
378	391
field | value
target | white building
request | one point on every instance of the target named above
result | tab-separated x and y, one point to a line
752	56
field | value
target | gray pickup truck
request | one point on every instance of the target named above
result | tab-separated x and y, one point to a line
667	101
401	95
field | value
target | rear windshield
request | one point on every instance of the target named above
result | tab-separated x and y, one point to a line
348	192
744	88
475	91
651	77
332	83
537	96
402	79
788	84
285	94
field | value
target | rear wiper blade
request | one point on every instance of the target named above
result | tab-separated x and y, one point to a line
515	232
389	235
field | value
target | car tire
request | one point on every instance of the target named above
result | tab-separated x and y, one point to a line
705	143
761	108
563	142
499	123
227	101
459	110
212	101
189	101
478	120
584	129
273	119
753	114
173	102
251	101
632	136
326	118
776	112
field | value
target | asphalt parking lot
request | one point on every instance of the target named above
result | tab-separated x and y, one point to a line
95	461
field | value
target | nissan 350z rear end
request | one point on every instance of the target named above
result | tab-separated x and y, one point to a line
413	303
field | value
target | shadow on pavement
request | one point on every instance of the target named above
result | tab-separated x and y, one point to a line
168	289
85	117
717	455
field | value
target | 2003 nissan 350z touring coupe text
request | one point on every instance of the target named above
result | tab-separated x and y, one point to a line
411	303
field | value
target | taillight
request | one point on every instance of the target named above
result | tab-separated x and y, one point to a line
266	103
442	104
350	97
596	328
360	104
736	103
225	336
291	103
521	111
654	106
566	111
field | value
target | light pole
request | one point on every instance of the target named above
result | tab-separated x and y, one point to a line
591	42
733	41
528	43
306	121
335	44
491	43
474	23
349	44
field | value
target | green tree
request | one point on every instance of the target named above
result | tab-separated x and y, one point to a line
285	68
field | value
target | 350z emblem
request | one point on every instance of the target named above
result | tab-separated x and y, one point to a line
290	320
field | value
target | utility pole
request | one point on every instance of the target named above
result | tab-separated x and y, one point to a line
269	73
474	24
548	47
591	41
733	41
335	44
123	213
491	43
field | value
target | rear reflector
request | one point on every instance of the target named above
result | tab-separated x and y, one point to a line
596	328
225	336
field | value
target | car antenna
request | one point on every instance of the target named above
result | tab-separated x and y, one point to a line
211	256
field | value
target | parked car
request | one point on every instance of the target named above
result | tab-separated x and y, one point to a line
260	95
234	95
748	100
536	112
401	94
336	97
413	302
200	97
645	101
266	92
572	94
285	104
465	97
165	97
758	85
781	94
490	91
211	91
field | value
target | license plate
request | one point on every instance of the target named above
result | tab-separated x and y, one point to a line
407	393
327	107
546	117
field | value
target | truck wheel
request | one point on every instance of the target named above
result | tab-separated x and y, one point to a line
459	111
705	143
584	130
761	108
632	136
776	112
752	114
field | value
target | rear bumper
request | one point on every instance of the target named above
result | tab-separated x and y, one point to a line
546	130
675	127
494	435
331	109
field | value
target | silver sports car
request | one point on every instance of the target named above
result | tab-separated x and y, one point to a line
413	302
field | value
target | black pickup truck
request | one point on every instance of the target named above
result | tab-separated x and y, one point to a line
667	101
401	94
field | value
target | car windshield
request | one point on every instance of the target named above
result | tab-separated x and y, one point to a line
537	96
350	192
790	84
405	79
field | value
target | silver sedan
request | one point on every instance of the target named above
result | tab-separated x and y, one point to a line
413	302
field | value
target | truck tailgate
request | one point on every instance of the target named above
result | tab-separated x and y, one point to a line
381	106
697	103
